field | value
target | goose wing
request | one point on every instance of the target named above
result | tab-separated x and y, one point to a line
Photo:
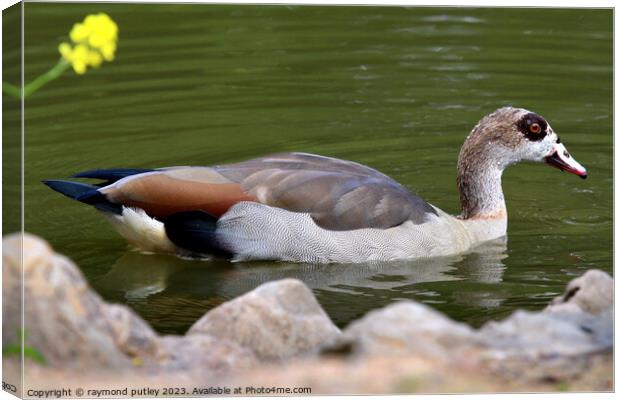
338	194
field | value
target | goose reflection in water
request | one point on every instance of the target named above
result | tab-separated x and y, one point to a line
173	293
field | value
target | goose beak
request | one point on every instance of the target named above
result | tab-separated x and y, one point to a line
561	159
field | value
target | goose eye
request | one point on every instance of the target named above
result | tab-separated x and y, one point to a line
535	128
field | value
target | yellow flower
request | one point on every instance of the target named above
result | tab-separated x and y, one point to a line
94	59
95	40
79	32
64	49
107	51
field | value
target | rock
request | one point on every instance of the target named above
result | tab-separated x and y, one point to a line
406	327
89	343
602	328
203	353
540	335
62	316
131	334
592	292
409	328
560	346
74	329
277	320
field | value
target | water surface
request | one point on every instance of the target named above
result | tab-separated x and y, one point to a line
397	89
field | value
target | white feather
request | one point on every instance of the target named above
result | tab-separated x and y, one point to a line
256	231
139	229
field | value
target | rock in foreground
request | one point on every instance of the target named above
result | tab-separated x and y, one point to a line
407	327
592	292
277	320
63	317
402	348
73	328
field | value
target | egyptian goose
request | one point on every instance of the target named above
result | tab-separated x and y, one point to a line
309	208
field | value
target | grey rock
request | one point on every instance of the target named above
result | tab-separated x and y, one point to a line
406	327
62	316
131	334
277	320
602	328
74	329
409	328
204	353
77	331
592	292
539	335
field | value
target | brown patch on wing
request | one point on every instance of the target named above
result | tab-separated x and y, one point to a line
338	194
163	193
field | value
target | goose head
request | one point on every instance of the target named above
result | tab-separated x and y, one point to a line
510	135
505	137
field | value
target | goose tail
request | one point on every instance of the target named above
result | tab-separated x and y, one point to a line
85	193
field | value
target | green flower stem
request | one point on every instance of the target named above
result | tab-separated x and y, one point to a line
41	80
50	75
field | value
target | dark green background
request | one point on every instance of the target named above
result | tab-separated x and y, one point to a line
391	87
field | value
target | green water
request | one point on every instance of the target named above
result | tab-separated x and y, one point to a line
396	88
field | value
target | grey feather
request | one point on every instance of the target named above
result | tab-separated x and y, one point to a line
338	194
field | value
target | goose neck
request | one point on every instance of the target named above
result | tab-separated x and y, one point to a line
479	182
